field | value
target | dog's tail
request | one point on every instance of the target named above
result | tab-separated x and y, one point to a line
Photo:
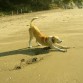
33	20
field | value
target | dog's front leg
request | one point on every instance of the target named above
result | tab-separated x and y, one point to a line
38	43
57	48
62	47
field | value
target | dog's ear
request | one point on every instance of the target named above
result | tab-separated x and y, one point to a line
53	39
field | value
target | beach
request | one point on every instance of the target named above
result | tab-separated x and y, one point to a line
55	67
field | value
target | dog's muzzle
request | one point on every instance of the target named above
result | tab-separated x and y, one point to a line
60	41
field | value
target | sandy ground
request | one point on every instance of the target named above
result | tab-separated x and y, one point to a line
56	67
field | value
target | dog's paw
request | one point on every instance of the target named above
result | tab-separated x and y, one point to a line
65	47
63	50
30	47
39	45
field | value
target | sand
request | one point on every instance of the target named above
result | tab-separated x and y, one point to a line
56	67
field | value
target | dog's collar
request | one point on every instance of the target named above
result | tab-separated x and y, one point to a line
44	39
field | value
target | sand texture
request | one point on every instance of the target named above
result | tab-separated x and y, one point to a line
19	64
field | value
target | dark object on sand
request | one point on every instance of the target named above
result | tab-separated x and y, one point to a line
33	60
17	67
24	62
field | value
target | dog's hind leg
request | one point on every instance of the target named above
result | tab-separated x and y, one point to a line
31	37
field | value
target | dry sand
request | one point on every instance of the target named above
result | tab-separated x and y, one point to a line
56	67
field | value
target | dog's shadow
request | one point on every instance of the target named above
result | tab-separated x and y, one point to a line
27	51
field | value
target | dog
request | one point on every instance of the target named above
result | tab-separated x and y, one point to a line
41	39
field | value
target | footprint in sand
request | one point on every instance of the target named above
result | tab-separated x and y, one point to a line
24	62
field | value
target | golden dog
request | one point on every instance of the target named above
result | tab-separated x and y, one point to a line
41	39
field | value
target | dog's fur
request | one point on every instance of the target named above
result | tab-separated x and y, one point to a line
50	41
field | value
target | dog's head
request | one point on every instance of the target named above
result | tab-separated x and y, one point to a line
55	39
